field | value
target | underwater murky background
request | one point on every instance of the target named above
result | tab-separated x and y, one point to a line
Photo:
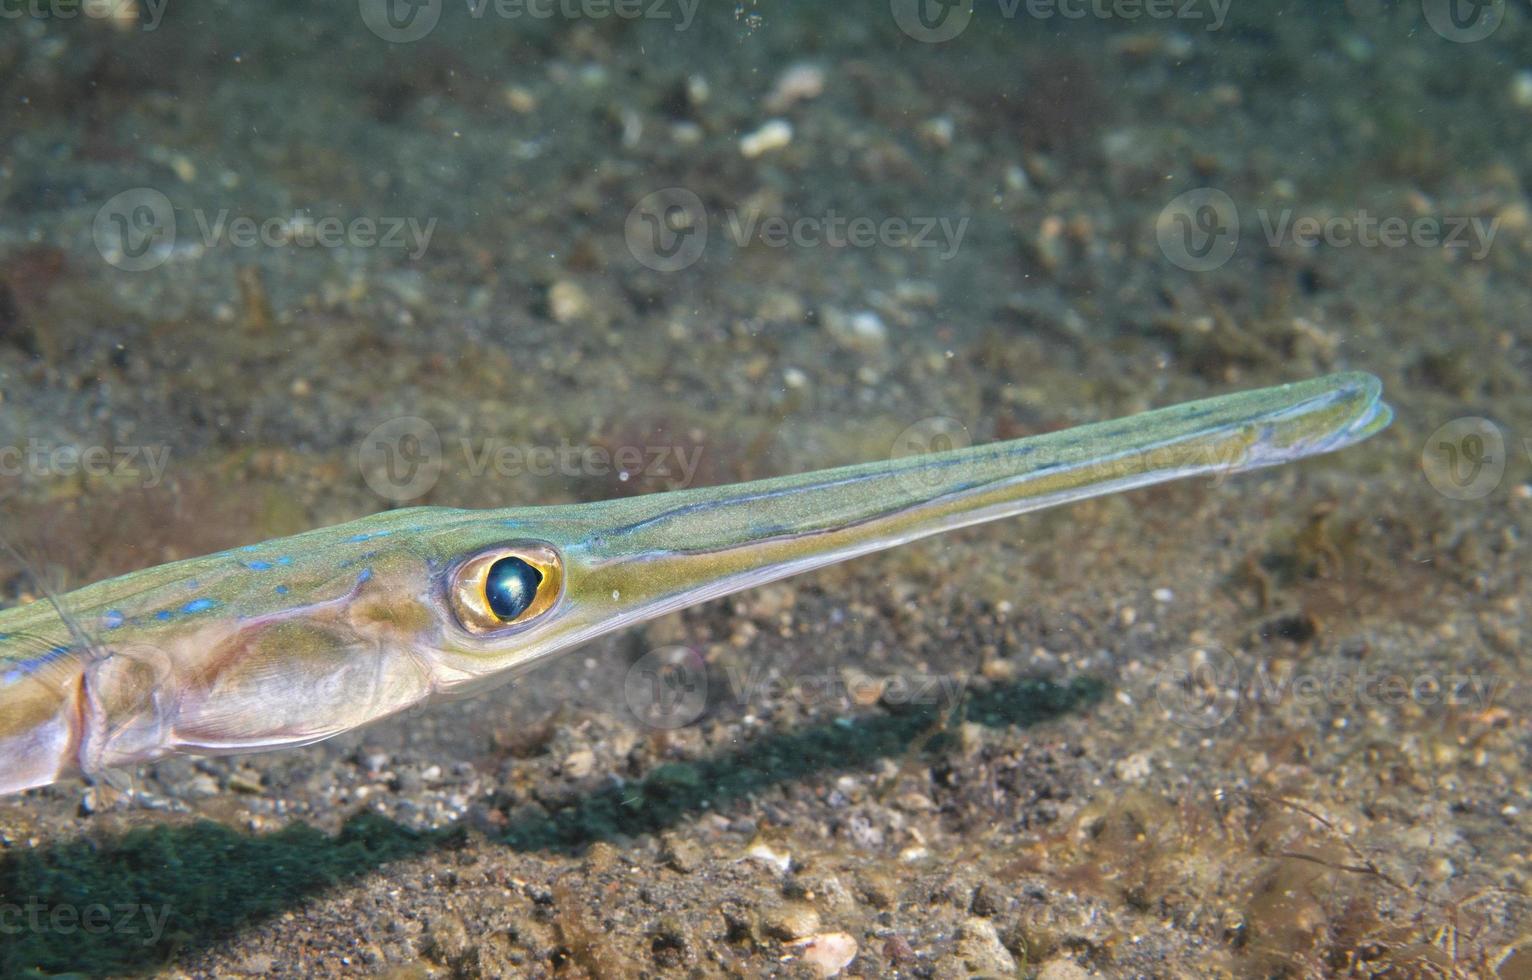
265	267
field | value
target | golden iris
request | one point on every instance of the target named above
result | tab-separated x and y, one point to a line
507	586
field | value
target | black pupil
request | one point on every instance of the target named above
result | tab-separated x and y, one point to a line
511	587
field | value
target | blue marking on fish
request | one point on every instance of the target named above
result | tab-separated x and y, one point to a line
32	664
368	536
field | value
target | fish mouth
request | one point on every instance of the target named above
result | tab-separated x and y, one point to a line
1345	409
1375	416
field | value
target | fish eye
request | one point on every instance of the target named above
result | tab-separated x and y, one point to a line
506	586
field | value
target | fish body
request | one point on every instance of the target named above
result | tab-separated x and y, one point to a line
301	638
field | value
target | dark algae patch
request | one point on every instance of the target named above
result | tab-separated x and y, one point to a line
169	888
172	889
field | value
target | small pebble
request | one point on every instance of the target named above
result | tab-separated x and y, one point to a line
939	132
680	853
790	922
999	670
519	99
567	302
579	763
862	331
1062	968
828	953
1521	88
774	135
797	84
1135	768
760	850
982	952
202	785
